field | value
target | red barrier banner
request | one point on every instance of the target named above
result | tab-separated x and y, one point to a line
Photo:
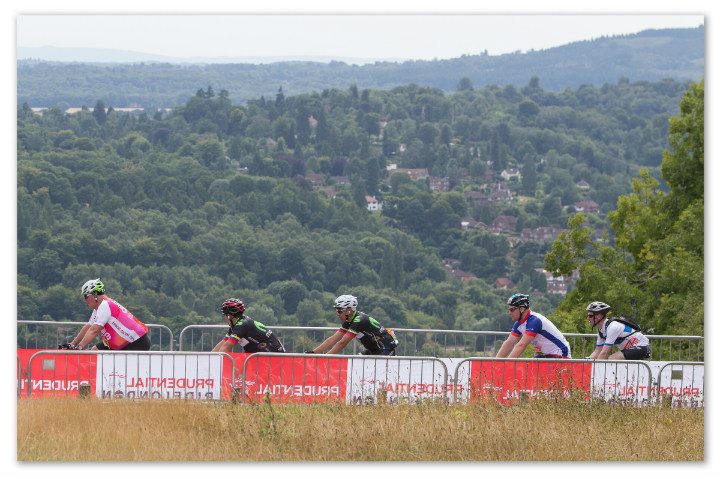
509	381
56	375
288	379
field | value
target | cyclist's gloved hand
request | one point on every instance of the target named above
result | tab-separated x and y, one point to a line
309	352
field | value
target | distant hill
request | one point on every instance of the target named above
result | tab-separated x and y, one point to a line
651	55
108	55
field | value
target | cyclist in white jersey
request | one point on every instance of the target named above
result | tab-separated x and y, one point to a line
119	328
531	328
631	343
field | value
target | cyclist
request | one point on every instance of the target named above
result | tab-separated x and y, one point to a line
632	344
119	328
253	336
533	328
377	340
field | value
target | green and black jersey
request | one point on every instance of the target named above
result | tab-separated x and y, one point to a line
254	337
371	334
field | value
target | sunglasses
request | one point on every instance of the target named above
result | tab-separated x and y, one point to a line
512	308
339	310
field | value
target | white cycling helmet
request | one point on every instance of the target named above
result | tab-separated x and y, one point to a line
346	301
94	286
598	307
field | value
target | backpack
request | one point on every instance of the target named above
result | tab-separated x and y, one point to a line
625	321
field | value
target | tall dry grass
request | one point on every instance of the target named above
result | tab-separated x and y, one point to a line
156	430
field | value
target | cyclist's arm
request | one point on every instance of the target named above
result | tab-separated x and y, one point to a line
605	351
224	346
520	346
81	334
612	332
340	345
90	334
507	346
596	352
329	342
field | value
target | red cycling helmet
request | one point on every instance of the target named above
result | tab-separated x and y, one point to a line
233	306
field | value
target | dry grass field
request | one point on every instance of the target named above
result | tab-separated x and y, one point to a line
156	430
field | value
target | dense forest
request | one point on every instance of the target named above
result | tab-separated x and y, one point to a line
179	210
651	55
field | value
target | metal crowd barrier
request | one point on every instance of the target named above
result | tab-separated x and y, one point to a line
412	342
673	387
448	343
294	338
662	347
131	374
36	336
295	377
19	377
369	379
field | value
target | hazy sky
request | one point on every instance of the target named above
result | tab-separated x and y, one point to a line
372	36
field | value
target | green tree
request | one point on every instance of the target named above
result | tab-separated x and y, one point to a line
465	84
655	271
529	176
99	113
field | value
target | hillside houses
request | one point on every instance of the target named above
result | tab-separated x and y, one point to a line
492	198
500	192
341	180
451	267
540	234
511	173
439	184
560	284
373	204
586	206
582	185
504	283
502	224
316	179
414	173
469	223
478	198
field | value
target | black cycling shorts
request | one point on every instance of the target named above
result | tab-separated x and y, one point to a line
140	344
379	352
637	352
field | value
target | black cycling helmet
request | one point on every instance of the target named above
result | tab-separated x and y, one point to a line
519	300
233	306
598	307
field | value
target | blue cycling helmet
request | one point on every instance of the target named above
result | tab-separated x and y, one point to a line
519	300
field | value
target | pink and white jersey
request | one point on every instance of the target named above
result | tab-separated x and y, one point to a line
120	327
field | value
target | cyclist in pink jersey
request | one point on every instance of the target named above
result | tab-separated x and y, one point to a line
119	328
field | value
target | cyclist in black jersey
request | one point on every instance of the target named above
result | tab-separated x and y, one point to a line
254	337
377	340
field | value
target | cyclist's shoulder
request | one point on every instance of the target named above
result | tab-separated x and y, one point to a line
244	324
622	323
538	316
360	316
